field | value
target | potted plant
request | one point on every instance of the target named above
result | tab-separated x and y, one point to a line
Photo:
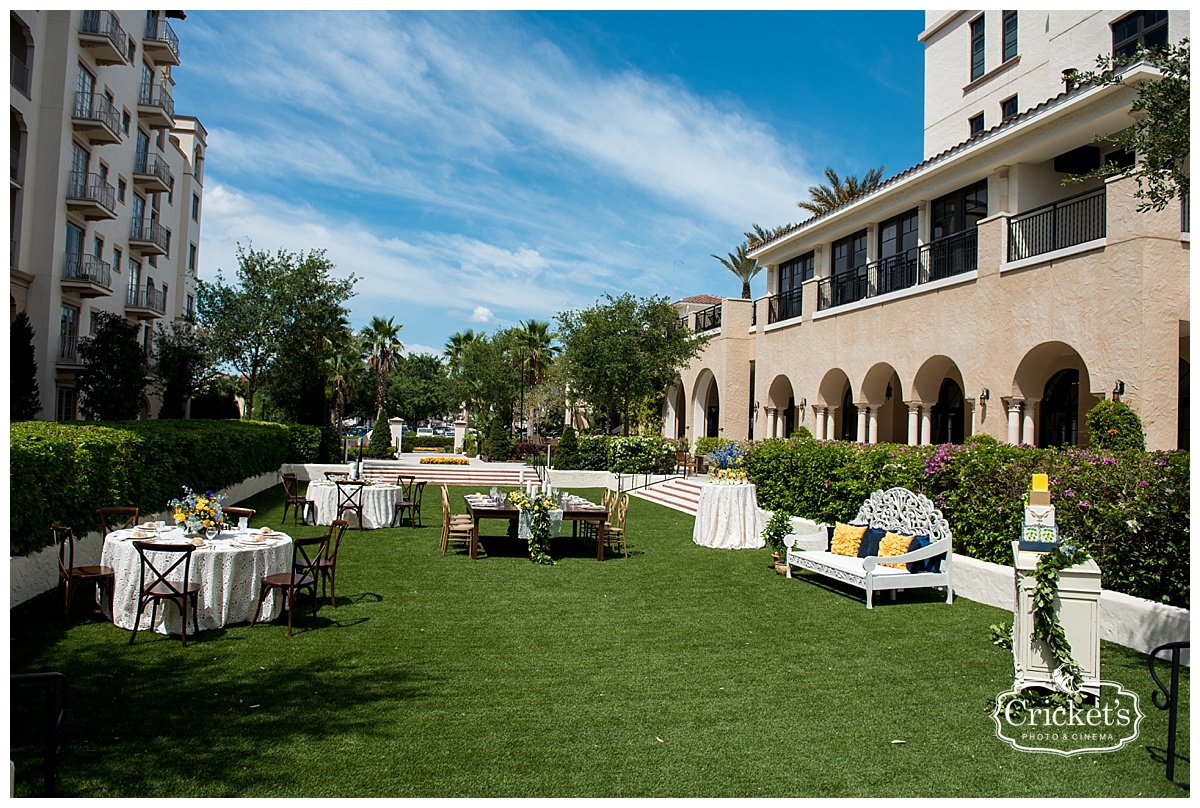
778	526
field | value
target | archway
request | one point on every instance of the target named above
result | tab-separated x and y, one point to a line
706	405
947	423
849	415
1049	402
781	399
712	411
1060	410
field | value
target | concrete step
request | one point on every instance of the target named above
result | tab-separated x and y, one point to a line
494	474
680	494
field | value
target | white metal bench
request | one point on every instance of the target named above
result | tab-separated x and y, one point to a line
899	511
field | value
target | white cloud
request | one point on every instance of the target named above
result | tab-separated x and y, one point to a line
482	314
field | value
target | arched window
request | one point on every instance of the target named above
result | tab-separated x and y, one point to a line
1060	410
849	416
946	416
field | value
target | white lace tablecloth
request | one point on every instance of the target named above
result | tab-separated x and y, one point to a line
728	518
230	578
556	520
379	504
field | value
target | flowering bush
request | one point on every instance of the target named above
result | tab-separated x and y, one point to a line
198	512
1113	425
445	461
538	506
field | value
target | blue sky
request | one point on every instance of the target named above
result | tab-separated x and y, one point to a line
477	169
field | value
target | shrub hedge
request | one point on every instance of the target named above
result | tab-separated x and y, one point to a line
312	444
64	471
636	454
1130	509
411	442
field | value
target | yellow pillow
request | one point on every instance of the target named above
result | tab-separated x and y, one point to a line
846	539
894	544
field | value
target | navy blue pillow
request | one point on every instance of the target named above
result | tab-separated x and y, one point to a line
829	537
869	546
925	564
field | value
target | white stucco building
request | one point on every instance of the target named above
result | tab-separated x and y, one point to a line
974	292
106	183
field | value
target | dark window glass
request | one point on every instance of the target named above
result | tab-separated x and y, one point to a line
898	235
1010	35
1120	158
958	211
793	273
976	124
850	253
1008	108
976	48
1148	28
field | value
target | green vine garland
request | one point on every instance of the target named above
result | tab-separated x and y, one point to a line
539	538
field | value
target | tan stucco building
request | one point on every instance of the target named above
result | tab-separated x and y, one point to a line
106	183
972	293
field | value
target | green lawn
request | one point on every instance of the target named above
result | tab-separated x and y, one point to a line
678	672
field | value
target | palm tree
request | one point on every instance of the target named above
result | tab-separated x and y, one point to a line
743	266
455	347
825	198
757	234
535	353
380	340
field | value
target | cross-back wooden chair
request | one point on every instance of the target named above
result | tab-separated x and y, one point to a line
116	518
234	513
458	528
405	481
302	574
614	528
334	476
70	576
685	463
325	566
411	503
350	498
160	586
301	505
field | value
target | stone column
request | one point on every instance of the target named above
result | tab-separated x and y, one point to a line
819	422
1027	426
926	425
914	423
770	431
1014	420
873	425
831	423
862	425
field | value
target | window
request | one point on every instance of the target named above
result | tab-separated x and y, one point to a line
195	207
793	273
141	151
191	265
121	190
976	124
125	121
1010	35
64	405
1146	28
171	190
190	310
116	259
850	253
898	235
74	239
1008	108
85	85
168	242
958	211
976	48
139	211
135	275
98	247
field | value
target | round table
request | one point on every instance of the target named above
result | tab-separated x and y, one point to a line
728	517
378	501
230	577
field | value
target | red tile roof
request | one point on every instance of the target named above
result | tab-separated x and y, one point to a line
706	299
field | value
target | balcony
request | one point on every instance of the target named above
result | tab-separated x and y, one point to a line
160	42
96	119
151	174
87	276
145	304
708	319
155	107
102	34
68	351
948	256
19	74
91	197
148	237
682	322
1066	223
783	306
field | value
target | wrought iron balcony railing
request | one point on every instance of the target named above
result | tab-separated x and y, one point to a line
97	107
92	187
1065	223
105	24
68	349
708	319
158	30
87	268
149	230
157	95
148	298
144	163
784	306
18	74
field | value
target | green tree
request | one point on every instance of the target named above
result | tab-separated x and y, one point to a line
181	367
1161	132
115	370
487	382
1113	425
417	388
741	265
617	352
25	401
757	234
381	438
824	198
534	352
270	327
343	373
380	338
455	347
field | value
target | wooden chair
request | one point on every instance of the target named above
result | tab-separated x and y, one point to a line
614	528
233	514
458	528
412	504
160	588
303	575
684	463
405	481
350	497
334	476
71	576
299	504
118	518
325	566
608	499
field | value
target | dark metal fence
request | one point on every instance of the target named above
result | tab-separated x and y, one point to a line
84	267
784	306
708	319
93	187
1065	223
1170	696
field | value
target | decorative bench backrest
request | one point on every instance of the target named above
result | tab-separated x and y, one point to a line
901	511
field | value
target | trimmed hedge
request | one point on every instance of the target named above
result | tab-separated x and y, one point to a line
1130	509
313	444
412	441
635	454
64	471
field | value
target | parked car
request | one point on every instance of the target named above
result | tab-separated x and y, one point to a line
446	432
425	432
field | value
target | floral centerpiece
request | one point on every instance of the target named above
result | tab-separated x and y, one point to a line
728	462
538	507
198	512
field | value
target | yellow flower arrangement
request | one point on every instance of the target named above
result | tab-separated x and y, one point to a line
198	511
445	461
730	476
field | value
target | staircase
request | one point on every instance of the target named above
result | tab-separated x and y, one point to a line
506	475
681	493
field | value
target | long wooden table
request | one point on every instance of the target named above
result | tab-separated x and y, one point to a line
506	510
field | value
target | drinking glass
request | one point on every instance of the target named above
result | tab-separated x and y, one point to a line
243	522
210	533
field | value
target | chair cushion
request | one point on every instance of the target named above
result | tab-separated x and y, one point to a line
846	539
869	545
924	564
894	544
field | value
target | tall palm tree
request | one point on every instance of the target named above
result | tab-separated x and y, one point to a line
741	265
535	352
455	347
380	340
757	234
342	359
823	198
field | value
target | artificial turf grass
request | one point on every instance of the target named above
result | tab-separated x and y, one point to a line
681	671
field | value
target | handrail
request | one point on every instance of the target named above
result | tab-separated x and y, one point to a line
785	305
1075	219
709	318
1171	694
55	683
